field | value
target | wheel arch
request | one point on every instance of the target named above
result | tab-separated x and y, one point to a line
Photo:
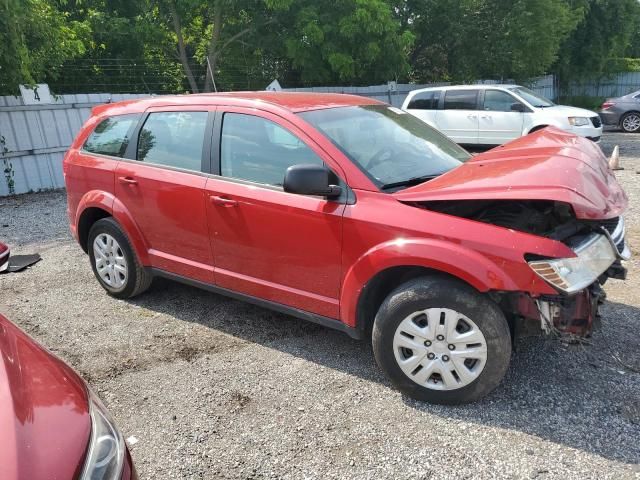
535	128
97	205
88	217
381	269
378	288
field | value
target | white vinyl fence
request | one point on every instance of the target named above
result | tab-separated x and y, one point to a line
35	137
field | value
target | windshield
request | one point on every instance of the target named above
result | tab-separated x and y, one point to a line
532	97
394	148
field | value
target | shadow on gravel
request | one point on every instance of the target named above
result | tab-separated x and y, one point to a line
575	396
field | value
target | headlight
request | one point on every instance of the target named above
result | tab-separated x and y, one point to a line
570	275
578	121
106	448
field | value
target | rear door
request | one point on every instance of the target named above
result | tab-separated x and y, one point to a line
162	187
498	122
458	118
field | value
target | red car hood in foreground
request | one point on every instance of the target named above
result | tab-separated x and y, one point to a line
547	165
44	414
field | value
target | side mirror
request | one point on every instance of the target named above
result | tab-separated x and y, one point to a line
517	107
310	180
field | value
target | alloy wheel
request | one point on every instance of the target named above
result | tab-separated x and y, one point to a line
631	122
440	349
111	264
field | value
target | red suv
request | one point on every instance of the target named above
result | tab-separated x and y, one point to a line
348	212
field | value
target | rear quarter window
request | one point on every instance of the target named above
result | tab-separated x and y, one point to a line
111	136
424	101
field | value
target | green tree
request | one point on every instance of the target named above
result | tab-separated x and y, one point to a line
35	40
606	33
352	41
470	39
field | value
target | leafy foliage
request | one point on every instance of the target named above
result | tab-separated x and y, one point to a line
35	40
605	32
165	46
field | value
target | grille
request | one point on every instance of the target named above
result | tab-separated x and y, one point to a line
615	227
597	122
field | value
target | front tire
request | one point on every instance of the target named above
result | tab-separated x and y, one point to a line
630	122
440	341
114	261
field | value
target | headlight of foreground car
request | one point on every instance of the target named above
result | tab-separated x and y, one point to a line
578	121
571	275
106	449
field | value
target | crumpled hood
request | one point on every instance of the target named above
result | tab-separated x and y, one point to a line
44	414
546	165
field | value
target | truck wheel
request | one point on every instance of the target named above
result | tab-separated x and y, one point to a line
630	123
440	341
114	262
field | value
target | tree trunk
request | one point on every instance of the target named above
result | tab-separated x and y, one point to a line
213	51
182	52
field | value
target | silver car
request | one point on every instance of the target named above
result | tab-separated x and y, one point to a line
623	112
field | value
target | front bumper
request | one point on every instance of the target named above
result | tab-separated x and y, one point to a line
128	469
588	131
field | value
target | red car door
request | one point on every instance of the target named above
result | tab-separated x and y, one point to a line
163	188
267	243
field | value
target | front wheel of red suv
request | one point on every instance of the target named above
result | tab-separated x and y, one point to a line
440	341
114	262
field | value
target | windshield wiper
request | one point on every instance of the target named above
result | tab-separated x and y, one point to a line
409	182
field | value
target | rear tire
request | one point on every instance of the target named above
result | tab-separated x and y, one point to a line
630	122
114	262
440	341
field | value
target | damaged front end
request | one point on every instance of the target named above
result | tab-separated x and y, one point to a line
599	248
556	186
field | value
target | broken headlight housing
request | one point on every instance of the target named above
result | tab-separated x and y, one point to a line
570	275
105	455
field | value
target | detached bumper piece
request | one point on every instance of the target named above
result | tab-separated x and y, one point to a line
564	315
4	260
573	315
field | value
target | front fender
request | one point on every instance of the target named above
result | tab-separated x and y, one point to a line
467	265
114	207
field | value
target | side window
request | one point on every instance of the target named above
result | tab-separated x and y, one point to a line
259	150
460	99
498	101
175	139
111	136
425	101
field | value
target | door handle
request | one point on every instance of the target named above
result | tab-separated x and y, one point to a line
225	202
128	180
471	116
486	117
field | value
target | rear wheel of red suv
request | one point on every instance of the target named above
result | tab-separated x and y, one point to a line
440	341
114	262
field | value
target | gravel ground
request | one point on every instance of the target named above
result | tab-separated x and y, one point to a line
215	388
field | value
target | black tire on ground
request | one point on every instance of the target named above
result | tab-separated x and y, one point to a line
636	124
439	291
138	278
